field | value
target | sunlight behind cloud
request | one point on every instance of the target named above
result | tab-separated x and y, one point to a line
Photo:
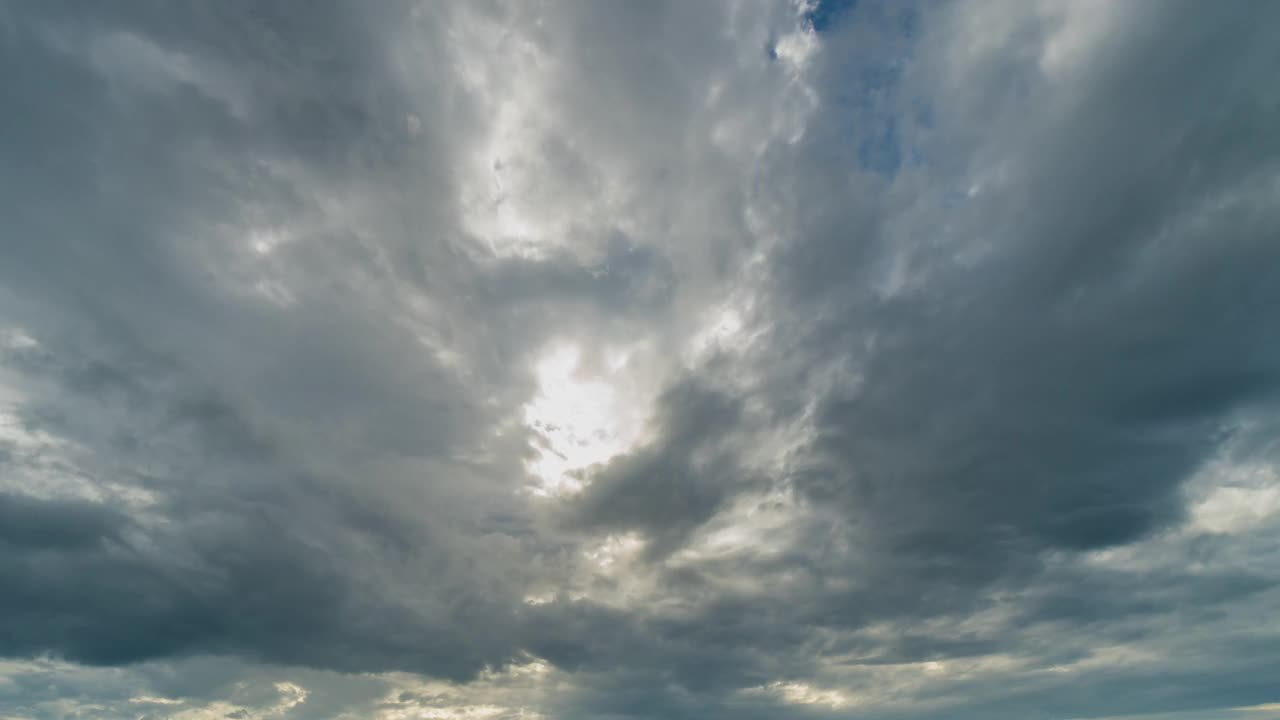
579	420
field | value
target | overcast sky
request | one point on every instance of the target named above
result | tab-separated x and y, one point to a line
642	360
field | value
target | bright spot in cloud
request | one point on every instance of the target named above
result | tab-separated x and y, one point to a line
579	420
149	700
615	548
799	693
290	696
505	74
723	329
265	241
15	338
1232	510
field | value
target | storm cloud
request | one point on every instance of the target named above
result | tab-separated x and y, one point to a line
639	360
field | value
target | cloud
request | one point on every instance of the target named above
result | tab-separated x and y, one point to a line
670	487
607	360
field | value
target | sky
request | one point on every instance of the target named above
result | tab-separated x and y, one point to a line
662	360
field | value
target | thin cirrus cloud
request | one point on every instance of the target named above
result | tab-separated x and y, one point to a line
624	360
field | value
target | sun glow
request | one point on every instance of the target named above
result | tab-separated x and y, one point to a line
579	419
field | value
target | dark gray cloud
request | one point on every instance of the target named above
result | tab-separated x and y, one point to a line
668	488
1057	370
64	524
599	360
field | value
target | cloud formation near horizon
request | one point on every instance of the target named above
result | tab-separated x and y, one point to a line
639	360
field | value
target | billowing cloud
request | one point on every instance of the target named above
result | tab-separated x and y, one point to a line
617	360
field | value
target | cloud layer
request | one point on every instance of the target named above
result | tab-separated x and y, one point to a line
620	360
